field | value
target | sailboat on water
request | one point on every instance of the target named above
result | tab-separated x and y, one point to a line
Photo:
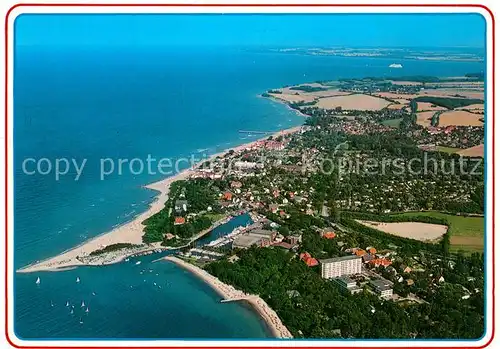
77	280
67	303
37	281
83	304
87	310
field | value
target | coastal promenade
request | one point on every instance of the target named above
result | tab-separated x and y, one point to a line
229	293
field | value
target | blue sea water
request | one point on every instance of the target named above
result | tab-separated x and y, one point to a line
97	102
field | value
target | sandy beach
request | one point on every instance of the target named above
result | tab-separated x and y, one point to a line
130	232
229	293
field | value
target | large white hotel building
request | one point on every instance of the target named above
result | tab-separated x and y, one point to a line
335	267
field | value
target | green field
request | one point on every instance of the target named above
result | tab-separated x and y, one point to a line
447	149
466	233
392	122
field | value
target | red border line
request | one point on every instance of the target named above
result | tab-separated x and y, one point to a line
245	5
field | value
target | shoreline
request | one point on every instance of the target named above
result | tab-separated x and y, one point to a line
131	231
229	293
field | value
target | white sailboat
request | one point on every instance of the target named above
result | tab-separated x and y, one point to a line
67	303
77	279
81	321
83	304
71	312
37	281
87	310
138	262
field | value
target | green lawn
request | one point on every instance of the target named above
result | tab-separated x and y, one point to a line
466	233
392	122
447	149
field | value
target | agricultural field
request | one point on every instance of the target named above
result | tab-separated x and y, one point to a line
466	233
424	118
476	151
448	150
353	102
392	122
425	232
460	118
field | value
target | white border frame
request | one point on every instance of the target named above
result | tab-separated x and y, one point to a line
201	9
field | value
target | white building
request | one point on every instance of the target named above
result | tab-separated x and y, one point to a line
382	287
348	284
335	267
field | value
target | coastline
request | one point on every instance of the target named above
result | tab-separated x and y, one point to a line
229	293
129	232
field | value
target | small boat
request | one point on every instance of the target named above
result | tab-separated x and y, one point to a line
37	281
81	321
127	259
77	280
93	293
87	310
51	304
67	303
83	304
138	262
71	312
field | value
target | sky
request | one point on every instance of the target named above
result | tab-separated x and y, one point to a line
352	30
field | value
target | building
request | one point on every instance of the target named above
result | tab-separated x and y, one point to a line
295	239
380	261
205	254
247	165
179	220
339	266
347	284
247	240
268	234
257	237
236	184
382	287
308	259
327	233
180	206
273	208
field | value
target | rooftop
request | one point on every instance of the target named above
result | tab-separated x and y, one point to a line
338	259
381	284
246	240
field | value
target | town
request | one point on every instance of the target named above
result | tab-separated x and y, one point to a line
327	233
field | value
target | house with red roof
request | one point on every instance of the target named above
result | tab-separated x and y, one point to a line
380	261
179	220
308	259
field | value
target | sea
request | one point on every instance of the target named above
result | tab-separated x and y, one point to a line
94	103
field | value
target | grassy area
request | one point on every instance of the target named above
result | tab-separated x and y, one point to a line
447	149
392	122
466	233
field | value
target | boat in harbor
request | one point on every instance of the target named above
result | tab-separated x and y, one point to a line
37	281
